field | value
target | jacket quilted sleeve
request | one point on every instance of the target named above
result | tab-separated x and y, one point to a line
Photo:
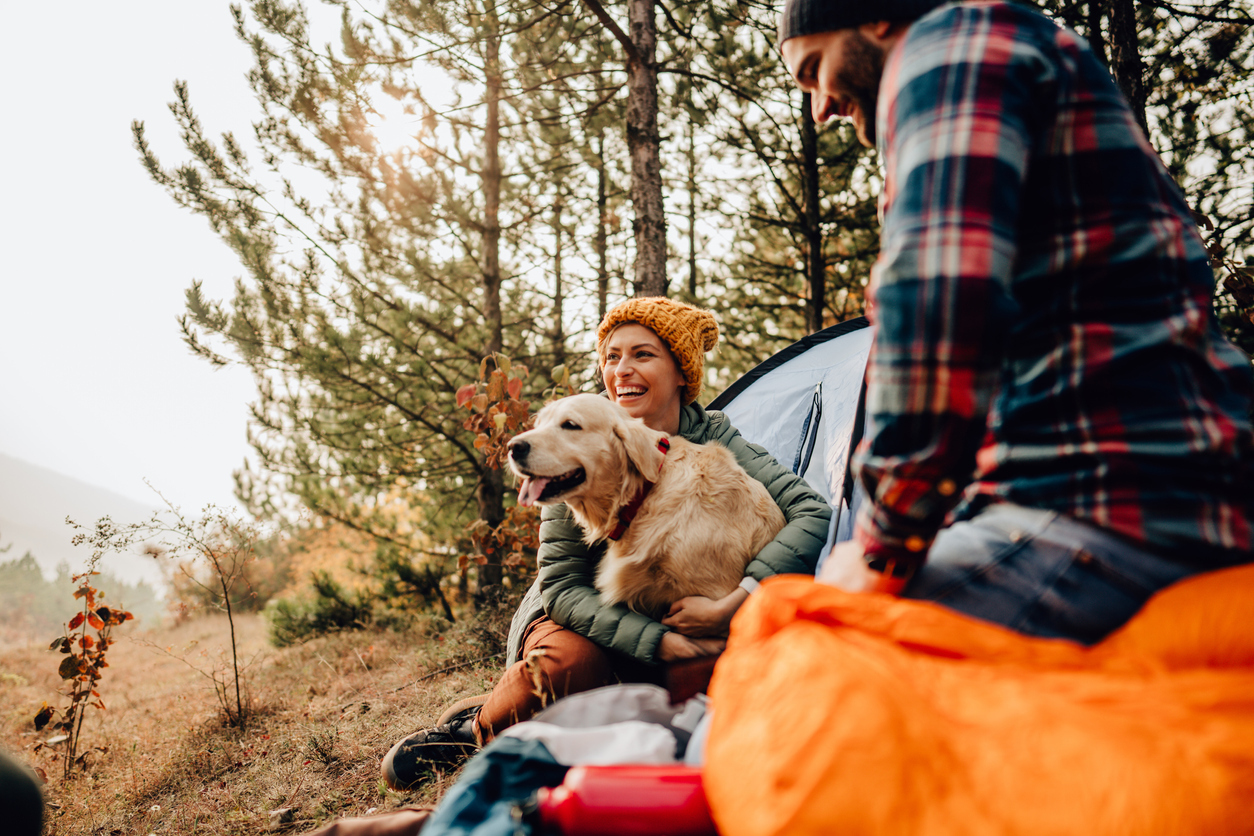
568	568
796	549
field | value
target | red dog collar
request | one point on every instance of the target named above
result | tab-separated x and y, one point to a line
629	511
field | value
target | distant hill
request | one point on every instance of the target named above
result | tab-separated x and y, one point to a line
34	503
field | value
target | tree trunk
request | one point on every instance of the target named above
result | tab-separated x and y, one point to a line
1097	39
643	145
490	492
1125	57
600	244
559	328
816	269
692	209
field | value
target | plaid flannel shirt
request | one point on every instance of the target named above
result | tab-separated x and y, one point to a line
1043	302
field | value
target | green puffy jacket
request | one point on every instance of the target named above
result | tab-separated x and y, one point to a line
565	588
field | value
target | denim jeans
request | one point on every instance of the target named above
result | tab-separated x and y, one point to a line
1041	573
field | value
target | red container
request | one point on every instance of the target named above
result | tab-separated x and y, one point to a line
626	801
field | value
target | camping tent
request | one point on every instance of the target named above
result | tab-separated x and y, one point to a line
804	406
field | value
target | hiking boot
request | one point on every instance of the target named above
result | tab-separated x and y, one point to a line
448	743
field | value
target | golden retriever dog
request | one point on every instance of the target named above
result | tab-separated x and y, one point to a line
698	517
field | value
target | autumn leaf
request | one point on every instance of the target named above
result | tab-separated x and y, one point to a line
70	667
75	622
465	393
515	387
518	412
56	643
94	621
496	387
44	715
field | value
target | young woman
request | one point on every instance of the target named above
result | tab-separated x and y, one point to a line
651	353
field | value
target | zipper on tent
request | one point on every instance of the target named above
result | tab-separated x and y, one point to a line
809	432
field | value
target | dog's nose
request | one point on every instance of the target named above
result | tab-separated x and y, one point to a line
518	449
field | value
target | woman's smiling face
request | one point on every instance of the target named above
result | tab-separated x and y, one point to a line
643	377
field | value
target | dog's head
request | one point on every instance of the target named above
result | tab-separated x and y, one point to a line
584	449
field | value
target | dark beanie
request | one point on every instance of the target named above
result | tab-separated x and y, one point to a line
808	17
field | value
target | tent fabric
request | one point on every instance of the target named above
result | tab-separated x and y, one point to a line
804	399
840	713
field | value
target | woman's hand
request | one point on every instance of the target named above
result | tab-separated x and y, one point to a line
675	647
701	617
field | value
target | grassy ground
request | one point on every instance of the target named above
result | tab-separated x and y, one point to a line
324	714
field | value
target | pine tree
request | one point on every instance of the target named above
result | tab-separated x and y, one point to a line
804	196
372	290
1185	69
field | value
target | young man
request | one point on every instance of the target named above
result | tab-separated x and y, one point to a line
1047	367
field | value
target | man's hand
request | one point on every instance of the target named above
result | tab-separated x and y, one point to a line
698	616
846	568
675	647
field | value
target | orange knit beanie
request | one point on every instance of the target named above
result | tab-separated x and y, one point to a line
687	331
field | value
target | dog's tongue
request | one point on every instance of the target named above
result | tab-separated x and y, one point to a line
530	489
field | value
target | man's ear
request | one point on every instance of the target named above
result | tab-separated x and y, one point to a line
640	443
883	32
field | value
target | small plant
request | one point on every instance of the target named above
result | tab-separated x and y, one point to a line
514	540
332	608
320	745
227	545
497	413
85	644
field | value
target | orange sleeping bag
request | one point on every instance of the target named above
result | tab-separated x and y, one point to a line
863	714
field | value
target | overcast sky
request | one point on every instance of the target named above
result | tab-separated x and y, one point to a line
95	381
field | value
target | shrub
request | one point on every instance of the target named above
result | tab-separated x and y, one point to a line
332	608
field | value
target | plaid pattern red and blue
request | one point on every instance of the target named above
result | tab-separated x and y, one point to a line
1045	332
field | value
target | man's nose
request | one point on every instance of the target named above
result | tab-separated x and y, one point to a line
822	107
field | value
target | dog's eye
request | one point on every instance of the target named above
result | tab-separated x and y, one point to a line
570	425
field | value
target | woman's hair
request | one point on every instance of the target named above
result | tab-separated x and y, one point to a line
687	331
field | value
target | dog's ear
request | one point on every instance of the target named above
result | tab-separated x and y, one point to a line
640	442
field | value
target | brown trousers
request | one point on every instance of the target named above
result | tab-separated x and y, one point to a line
555	662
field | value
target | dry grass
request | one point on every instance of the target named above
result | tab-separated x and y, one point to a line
325	713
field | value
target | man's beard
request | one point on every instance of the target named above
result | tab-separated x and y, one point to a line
860	75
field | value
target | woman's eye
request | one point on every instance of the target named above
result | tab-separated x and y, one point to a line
570	425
